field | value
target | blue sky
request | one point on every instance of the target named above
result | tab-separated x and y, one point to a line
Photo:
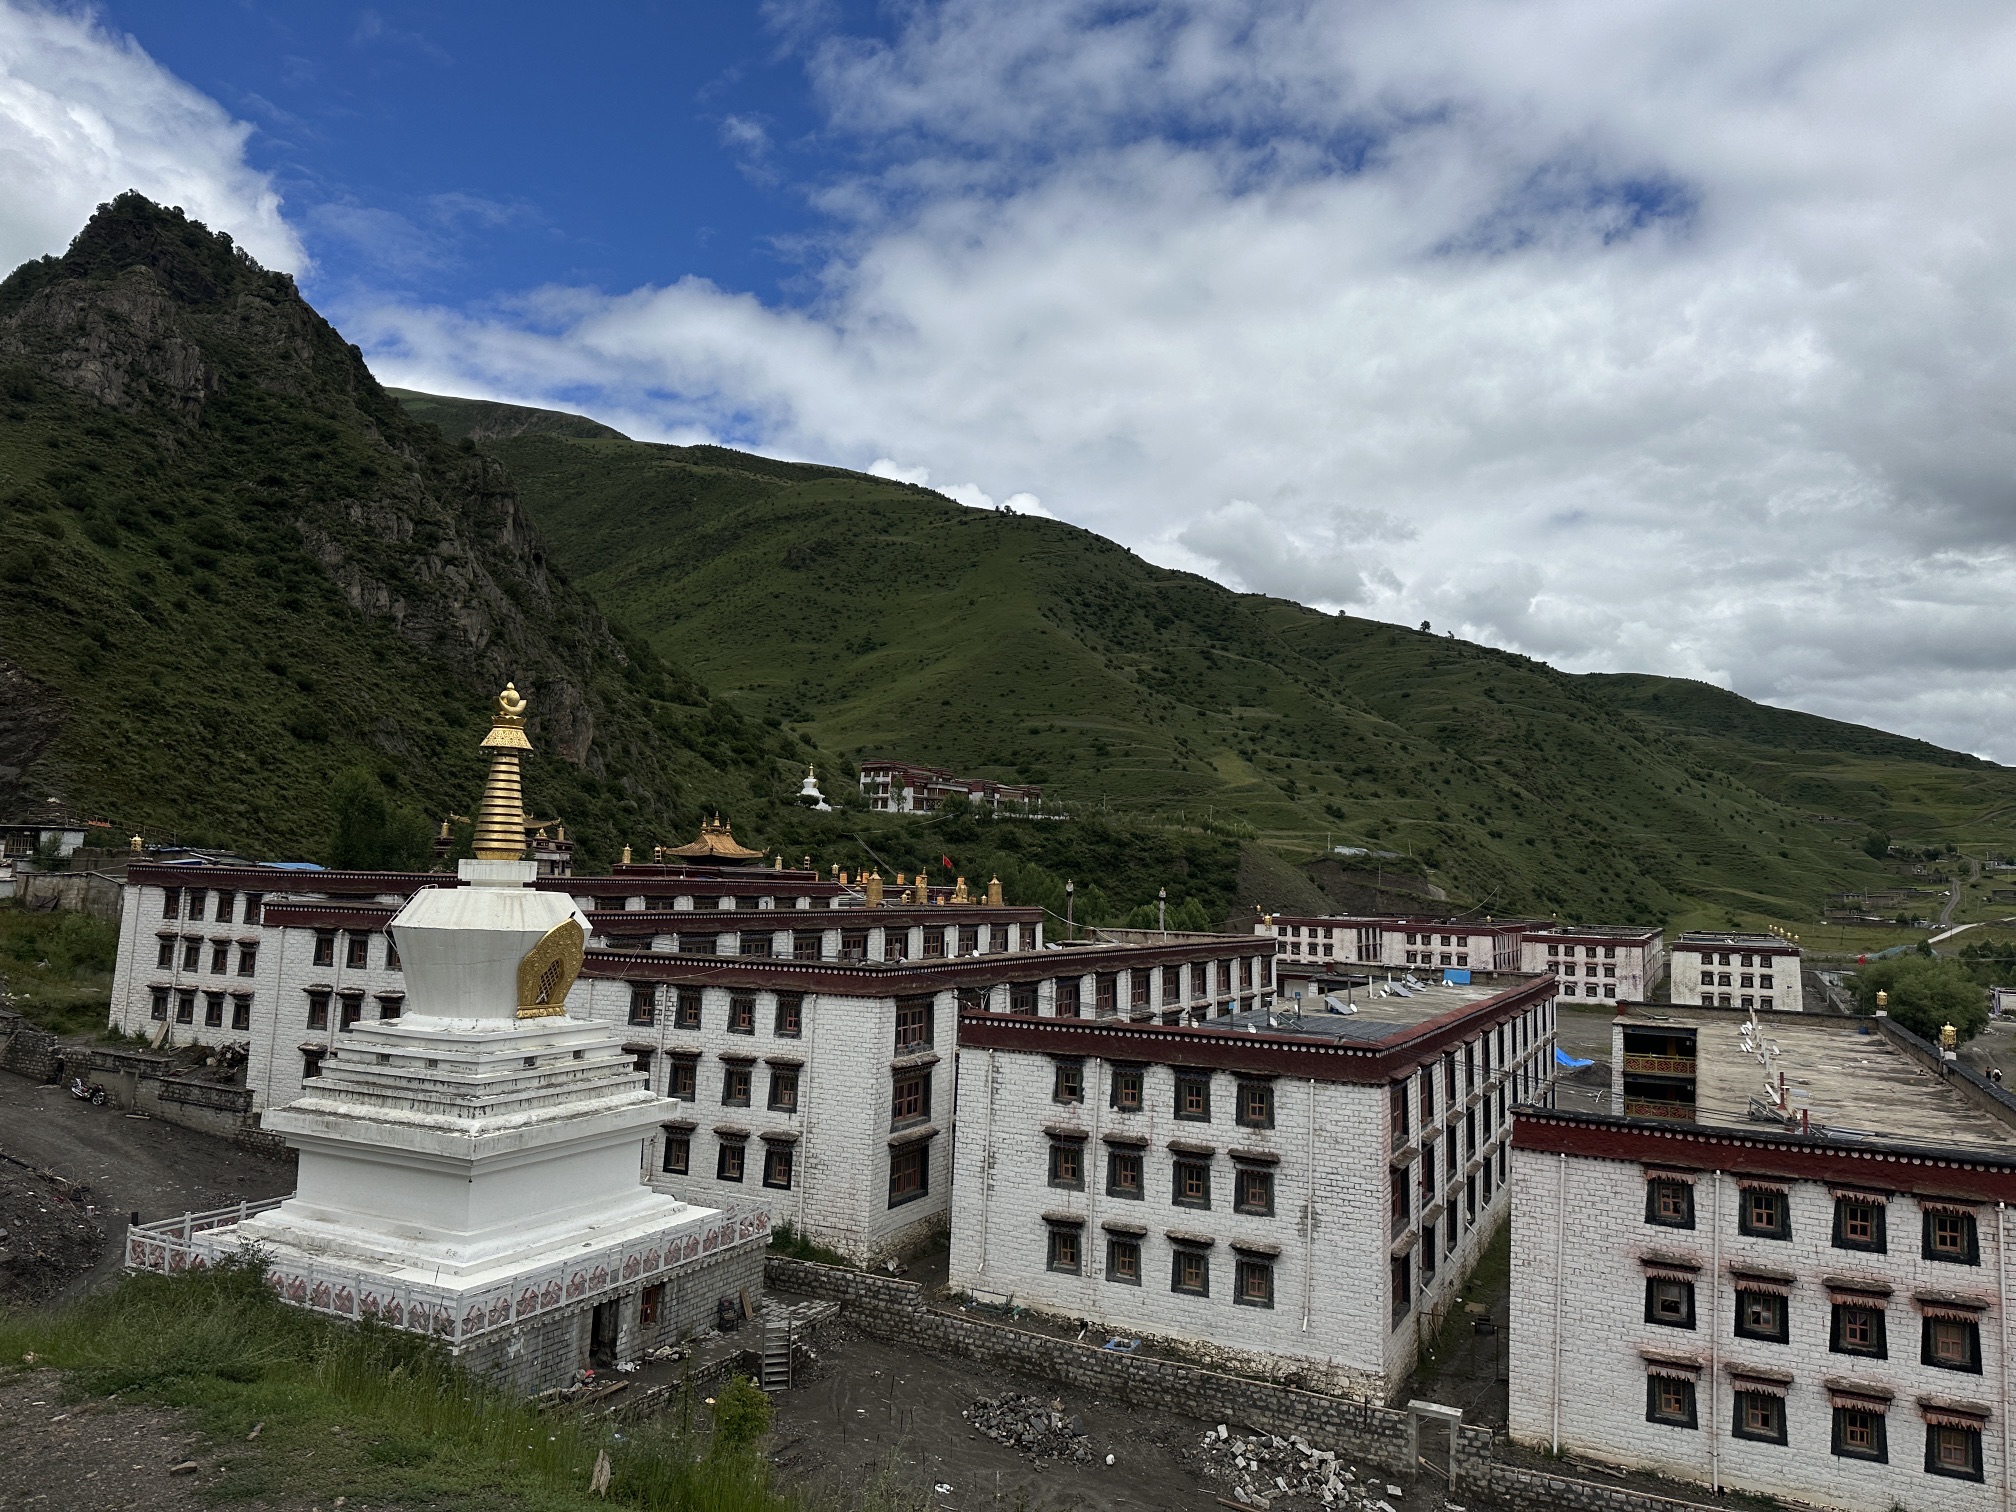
1673	336
466	151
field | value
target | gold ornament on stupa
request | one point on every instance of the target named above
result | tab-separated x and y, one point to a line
500	818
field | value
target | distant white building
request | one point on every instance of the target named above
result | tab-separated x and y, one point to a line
1614	962
901	787
1737	971
1296	1195
1610	962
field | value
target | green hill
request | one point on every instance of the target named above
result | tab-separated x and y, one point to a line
232	567
882	619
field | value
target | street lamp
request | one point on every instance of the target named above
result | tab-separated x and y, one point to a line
1070	930
1162	909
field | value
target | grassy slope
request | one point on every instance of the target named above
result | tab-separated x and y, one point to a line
236	567
883	619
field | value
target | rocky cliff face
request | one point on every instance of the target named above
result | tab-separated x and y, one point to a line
235	472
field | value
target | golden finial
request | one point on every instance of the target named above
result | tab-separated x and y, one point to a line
959	893
626	855
134	845
874	889
923	889
500	819
1949	1038
994	893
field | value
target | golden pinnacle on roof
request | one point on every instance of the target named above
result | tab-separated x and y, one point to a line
500	818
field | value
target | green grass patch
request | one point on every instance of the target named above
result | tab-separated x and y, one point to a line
375	1414
786	1240
58	966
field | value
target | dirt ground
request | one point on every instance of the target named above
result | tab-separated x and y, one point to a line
871	1407
49	1234
102	1456
130	1164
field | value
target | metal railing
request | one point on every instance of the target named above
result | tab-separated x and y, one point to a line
197	1241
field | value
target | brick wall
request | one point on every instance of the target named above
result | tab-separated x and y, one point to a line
28	1052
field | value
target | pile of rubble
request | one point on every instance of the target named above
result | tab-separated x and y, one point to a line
49	1234
1040	1429
1265	1469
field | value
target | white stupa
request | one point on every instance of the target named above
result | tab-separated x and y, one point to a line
471	1168
809	794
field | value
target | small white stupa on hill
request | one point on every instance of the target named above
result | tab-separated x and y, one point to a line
471	1169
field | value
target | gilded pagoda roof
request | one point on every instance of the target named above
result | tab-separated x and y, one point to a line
716	843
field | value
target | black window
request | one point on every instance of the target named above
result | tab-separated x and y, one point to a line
390	1005
735	1086
1127	1088
683	1081
741	1013
1253	1190
1951	1237
1858	1224
1253	1281
241	1010
1669	1203
1190	1272
805	945
248	960
1669	1302
311	1064
1123	1261
643	1004
1764	1213
1761	1315
1759	1415
357	949
1952	1344
784	1089
213	1010
1065	1247
391	952
1068	1085
1858	1434
1067	1007
1067	1164
757	943
1256	1105
171	902
790	1015
697	944
1953	1449
909	1173
196	897
220	957
913	1024
1193	1096
1859	1330
1123	1174
729	1161
1022	999
1190	1184
192	954
1670	1400
318	1010
165	957
777	1164
678	1158
686	1010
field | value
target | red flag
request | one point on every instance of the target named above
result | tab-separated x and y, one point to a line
946	862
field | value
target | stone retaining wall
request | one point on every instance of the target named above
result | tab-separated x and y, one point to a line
895	1310
27	1051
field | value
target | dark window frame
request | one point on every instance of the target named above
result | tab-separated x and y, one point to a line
1778	1308
1687	1415
1254	1104
1067	1164
1246	1268
1878	1240
1653	1288
1193	1096
1934	1433
1930	1329
1747	1213
1669	1203
731	1160
1878	1450
1968	1250
1201	1285
1773	1432
1187	1168
1122	1158
1067	1084
1065	1250
1253	1172
1878	1347
1119	1248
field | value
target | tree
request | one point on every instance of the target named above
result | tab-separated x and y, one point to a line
1876	845
371	833
741	1415
1925	994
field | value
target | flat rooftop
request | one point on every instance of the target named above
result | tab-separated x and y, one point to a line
1840	1071
1735	939
1370	1013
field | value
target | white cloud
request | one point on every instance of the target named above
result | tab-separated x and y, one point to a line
969	494
85	114
1673	336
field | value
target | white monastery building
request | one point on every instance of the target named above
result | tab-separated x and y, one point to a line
1784	1270
1737	971
900	787
1619	963
469	1167
1610	962
1293	1193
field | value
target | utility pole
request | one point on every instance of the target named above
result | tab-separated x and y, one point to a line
1070	897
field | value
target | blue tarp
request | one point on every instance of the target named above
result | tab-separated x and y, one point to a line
1563	1058
1458	976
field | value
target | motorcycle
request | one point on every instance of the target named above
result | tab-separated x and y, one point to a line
89	1092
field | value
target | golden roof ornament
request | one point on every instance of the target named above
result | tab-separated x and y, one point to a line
994	892
873	889
548	970
500	818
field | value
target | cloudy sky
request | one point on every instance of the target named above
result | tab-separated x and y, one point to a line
1670	337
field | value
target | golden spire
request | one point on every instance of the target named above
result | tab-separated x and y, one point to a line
500	819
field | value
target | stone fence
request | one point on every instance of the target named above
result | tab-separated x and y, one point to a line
895	1310
85	892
